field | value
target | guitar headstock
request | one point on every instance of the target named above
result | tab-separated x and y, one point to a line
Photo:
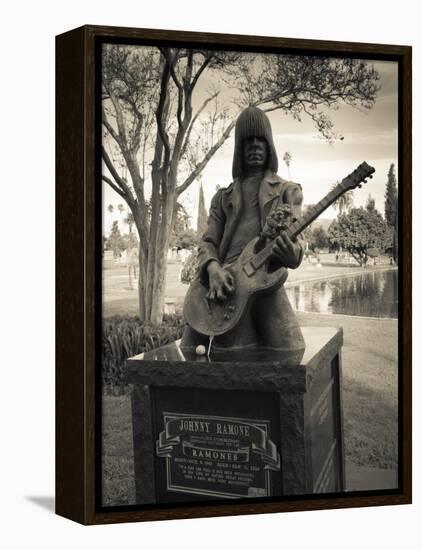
358	176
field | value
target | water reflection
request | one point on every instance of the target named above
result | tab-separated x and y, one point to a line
373	294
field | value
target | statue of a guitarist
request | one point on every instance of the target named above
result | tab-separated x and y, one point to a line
238	214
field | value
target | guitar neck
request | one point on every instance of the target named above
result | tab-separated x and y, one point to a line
299	225
312	213
353	180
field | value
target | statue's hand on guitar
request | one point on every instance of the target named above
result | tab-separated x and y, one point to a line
287	251
221	282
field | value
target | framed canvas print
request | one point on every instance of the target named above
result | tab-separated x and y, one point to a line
233	274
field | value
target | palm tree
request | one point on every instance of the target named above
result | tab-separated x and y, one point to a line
129	221
288	159
370	203
345	202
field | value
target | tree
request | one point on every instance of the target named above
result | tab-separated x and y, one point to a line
357	231
288	159
187	240
344	202
307	233
181	223
202	213
115	241
129	221
395	239
128	241
370	203
159	129
391	197
148	106
319	238
190	268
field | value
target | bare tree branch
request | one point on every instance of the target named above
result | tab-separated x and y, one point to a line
119	181
109	127
201	165
185	96
114	187
194	119
160	111
120	120
201	70
171	60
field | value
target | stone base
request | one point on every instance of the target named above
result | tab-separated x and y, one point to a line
242	424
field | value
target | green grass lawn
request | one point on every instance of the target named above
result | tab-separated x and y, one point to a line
369	405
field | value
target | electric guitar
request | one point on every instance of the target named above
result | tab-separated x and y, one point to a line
251	272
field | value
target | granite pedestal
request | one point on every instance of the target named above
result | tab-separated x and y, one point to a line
238	425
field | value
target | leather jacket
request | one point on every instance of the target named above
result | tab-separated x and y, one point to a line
226	209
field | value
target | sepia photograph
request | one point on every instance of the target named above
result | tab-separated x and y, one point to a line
250	259
211	280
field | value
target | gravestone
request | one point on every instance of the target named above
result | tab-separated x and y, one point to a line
238	425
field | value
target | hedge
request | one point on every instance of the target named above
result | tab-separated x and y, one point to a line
125	336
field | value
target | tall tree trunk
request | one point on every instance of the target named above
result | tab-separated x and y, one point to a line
157	307
142	264
141	284
157	174
153	245
160	269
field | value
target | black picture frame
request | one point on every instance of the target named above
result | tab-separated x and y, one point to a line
78	274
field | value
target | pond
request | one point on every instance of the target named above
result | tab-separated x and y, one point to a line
372	294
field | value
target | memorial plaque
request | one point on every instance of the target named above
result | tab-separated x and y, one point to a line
212	444
217	456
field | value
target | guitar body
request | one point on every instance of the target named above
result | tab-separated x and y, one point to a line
213	318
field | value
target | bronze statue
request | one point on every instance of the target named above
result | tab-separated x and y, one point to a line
237	215
238	298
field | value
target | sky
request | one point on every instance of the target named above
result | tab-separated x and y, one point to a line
369	135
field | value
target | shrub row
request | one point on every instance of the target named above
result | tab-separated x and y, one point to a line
125	336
